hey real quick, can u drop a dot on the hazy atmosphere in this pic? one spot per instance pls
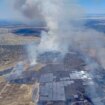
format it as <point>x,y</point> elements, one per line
<point>8,8</point>
<point>52,52</point>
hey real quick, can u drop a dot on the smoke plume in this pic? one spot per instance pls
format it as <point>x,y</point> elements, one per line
<point>29,8</point>
<point>32,53</point>
<point>63,18</point>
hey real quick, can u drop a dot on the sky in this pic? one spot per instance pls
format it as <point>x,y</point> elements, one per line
<point>8,12</point>
<point>93,6</point>
<point>90,6</point>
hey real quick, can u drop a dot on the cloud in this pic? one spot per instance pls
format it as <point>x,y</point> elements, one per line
<point>29,8</point>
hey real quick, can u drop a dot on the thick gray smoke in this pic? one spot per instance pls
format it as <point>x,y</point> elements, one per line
<point>29,8</point>
<point>62,18</point>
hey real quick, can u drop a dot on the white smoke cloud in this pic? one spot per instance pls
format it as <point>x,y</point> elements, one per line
<point>32,53</point>
<point>60,17</point>
<point>29,8</point>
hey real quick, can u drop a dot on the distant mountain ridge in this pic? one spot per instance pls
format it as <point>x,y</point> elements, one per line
<point>9,22</point>
<point>4,23</point>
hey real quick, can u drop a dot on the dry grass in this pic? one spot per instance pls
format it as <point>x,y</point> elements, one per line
<point>4,67</point>
<point>12,39</point>
<point>17,95</point>
<point>38,67</point>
